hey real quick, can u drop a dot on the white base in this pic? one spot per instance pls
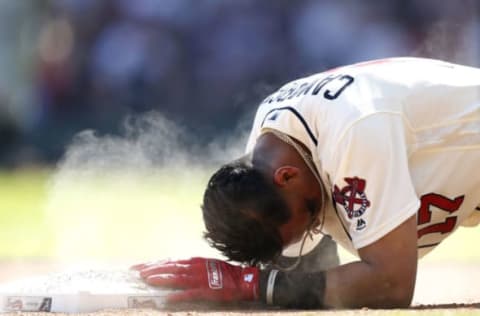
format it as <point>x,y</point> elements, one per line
<point>81,292</point>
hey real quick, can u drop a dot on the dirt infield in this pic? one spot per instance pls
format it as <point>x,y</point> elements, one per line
<point>442,289</point>
<point>439,310</point>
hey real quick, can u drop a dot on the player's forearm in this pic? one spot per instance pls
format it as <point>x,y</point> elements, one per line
<point>385,276</point>
<point>361,284</point>
<point>353,285</point>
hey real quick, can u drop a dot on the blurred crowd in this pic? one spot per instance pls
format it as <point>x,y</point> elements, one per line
<point>70,65</point>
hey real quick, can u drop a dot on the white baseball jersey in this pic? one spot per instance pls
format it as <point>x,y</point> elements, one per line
<point>390,138</point>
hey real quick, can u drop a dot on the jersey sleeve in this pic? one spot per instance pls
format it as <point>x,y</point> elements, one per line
<point>371,184</point>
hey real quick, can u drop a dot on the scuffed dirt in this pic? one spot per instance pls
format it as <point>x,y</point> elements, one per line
<point>442,288</point>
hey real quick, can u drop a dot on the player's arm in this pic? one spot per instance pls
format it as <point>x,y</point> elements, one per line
<point>375,149</point>
<point>383,278</point>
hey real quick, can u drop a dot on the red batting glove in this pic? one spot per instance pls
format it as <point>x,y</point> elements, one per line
<point>203,279</point>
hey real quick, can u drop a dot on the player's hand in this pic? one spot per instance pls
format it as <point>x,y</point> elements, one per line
<point>202,279</point>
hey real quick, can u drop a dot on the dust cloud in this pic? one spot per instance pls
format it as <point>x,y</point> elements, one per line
<point>136,196</point>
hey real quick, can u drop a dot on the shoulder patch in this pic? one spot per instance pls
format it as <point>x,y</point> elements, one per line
<point>352,197</point>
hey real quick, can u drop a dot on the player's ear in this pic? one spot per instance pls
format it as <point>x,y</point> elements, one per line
<point>283,175</point>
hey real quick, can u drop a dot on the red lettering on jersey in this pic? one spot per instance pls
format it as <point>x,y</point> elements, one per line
<point>443,203</point>
<point>441,228</point>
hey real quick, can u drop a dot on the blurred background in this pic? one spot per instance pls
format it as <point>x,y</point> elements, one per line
<point>160,92</point>
<point>69,65</point>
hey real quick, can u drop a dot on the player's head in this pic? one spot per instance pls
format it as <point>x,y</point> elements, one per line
<point>253,210</point>
<point>242,211</point>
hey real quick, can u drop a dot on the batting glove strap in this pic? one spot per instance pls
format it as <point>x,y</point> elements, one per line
<point>293,289</point>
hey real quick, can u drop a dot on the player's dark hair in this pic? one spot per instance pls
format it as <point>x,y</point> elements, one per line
<point>242,211</point>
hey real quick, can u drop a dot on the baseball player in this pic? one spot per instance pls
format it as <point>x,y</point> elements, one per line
<point>383,156</point>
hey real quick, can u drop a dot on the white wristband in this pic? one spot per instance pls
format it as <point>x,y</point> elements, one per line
<point>270,285</point>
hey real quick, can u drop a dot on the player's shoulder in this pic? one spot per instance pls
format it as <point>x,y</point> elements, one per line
<point>394,67</point>
<point>330,85</point>
<point>411,71</point>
